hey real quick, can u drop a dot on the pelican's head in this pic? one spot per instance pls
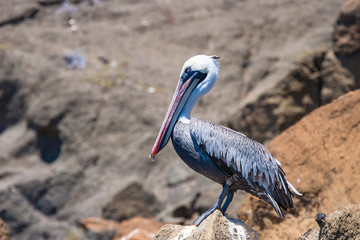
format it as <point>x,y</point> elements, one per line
<point>202,64</point>
<point>197,77</point>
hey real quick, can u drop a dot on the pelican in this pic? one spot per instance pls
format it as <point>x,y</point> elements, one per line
<point>219,153</point>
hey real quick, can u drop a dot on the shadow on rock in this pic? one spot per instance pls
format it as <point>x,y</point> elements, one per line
<point>48,142</point>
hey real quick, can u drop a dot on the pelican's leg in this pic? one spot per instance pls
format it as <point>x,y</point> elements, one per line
<point>218,203</point>
<point>228,201</point>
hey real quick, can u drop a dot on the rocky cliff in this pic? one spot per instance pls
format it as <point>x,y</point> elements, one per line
<point>316,78</point>
<point>321,157</point>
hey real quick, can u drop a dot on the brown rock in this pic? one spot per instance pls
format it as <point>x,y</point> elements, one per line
<point>99,225</point>
<point>346,36</point>
<point>314,80</point>
<point>321,158</point>
<point>136,228</point>
<point>4,235</point>
<point>340,225</point>
<point>216,226</point>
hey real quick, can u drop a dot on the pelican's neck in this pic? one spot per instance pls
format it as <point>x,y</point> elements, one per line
<point>200,90</point>
<point>184,116</point>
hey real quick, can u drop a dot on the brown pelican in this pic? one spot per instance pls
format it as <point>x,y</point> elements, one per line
<point>219,153</point>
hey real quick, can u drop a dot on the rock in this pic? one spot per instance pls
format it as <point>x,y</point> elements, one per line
<point>335,79</point>
<point>98,228</point>
<point>128,202</point>
<point>314,80</point>
<point>19,14</point>
<point>346,36</point>
<point>11,96</point>
<point>339,225</point>
<point>136,228</point>
<point>25,223</point>
<point>46,195</point>
<point>320,155</point>
<point>72,139</point>
<point>186,211</point>
<point>4,235</point>
<point>216,226</point>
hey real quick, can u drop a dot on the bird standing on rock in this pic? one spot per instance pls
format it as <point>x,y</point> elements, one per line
<point>219,153</point>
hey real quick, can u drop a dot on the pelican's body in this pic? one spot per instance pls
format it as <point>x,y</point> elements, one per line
<point>219,153</point>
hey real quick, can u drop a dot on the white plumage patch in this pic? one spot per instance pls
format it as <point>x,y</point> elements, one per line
<point>201,63</point>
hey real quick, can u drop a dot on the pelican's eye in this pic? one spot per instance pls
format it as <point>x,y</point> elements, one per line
<point>186,74</point>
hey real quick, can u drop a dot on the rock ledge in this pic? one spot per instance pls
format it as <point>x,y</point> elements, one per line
<point>216,226</point>
<point>340,225</point>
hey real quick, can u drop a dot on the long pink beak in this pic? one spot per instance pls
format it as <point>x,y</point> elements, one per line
<point>182,93</point>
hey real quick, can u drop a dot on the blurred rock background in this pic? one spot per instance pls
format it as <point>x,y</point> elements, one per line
<point>84,85</point>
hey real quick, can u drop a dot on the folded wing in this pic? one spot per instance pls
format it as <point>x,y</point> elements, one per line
<point>241,157</point>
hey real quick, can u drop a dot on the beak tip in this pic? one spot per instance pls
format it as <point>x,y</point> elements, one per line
<point>152,157</point>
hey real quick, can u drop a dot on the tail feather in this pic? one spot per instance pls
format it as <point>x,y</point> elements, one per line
<point>280,200</point>
<point>275,205</point>
<point>293,189</point>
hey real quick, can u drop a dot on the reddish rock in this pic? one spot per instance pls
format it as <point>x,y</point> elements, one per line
<point>99,225</point>
<point>4,235</point>
<point>321,157</point>
<point>136,228</point>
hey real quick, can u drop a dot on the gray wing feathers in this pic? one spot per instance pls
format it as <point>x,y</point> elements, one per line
<point>244,157</point>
